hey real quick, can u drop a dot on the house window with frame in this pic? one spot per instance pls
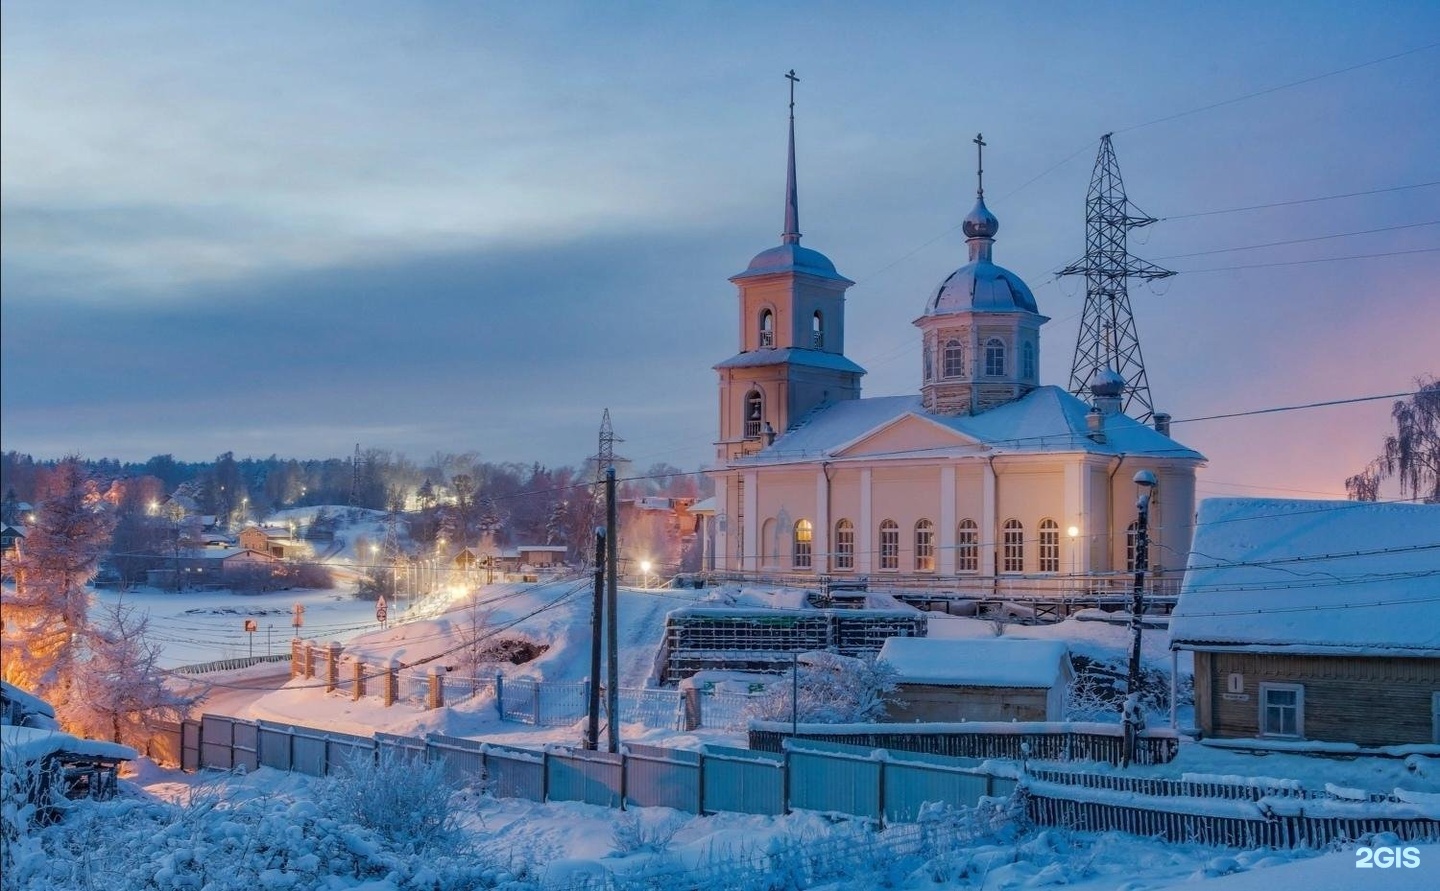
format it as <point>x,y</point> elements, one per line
<point>1282,710</point>
<point>817,331</point>
<point>890,545</point>
<point>801,556</point>
<point>1027,361</point>
<point>1132,545</point>
<point>954,359</point>
<point>754,414</point>
<point>924,546</point>
<point>767,328</point>
<point>844,545</point>
<point>995,357</point>
<point>1049,546</point>
<point>1013,541</point>
<point>967,544</point>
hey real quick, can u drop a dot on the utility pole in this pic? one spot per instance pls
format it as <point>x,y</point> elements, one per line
<point>597,613</point>
<point>1133,718</point>
<point>612,625</point>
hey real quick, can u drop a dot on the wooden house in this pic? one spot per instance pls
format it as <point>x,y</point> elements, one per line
<point>988,679</point>
<point>1314,621</point>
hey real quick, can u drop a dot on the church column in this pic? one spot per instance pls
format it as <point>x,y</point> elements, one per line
<point>720,554</point>
<point>947,519</point>
<point>1076,475</point>
<point>820,547</point>
<point>989,519</point>
<point>752,535</point>
<point>865,535</point>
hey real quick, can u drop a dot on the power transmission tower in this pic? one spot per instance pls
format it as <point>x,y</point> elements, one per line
<point>355,478</point>
<point>1107,329</point>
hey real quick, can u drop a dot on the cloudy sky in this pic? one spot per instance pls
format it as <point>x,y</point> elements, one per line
<point>287,228</point>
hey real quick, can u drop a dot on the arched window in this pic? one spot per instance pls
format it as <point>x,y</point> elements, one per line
<point>844,545</point>
<point>924,546</point>
<point>967,542</point>
<point>1027,361</point>
<point>769,547</point>
<point>817,331</point>
<point>954,358</point>
<point>754,414</point>
<point>1013,540</point>
<point>889,545</point>
<point>1049,546</point>
<point>1132,542</point>
<point>995,357</point>
<point>804,538</point>
<point>767,328</point>
<point>928,374</point>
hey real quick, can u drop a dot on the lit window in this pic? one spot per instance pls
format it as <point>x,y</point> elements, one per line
<point>1282,710</point>
<point>804,538</point>
<point>1027,361</point>
<point>844,545</point>
<point>817,331</point>
<point>1014,546</point>
<point>954,359</point>
<point>967,540</point>
<point>754,414</point>
<point>767,328</point>
<point>924,546</point>
<point>889,545</point>
<point>994,357</point>
<point>1049,546</point>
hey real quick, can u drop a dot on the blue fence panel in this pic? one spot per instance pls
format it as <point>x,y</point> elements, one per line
<point>275,744</point>
<point>834,781</point>
<point>307,752</point>
<point>656,777</point>
<point>217,742</point>
<point>580,775</point>
<point>463,758</point>
<point>743,781</point>
<point>514,773</point>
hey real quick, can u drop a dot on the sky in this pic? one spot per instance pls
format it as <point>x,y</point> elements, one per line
<point>290,228</point>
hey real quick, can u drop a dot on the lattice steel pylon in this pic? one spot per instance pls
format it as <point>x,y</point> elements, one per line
<point>1107,328</point>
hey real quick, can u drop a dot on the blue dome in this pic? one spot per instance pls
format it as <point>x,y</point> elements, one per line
<point>790,258</point>
<point>981,286</point>
<point>980,222</point>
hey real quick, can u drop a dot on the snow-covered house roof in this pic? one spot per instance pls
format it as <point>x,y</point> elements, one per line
<point>1312,577</point>
<point>24,744</point>
<point>998,662</point>
<point>24,708</point>
<point>1047,419</point>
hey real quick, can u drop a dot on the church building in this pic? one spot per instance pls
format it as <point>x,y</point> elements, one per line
<point>985,480</point>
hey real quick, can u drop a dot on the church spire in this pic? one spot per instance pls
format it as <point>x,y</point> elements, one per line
<point>791,235</point>
<point>980,225</point>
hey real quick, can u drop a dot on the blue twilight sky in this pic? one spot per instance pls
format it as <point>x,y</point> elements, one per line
<point>291,227</point>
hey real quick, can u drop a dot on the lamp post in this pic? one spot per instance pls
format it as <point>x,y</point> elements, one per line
<point>645,573</point>
<point>1145,481</point>
<point>1073,532</point>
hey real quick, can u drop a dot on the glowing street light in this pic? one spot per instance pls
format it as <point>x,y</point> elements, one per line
<point>1074,533</point>
<point>644,573</point>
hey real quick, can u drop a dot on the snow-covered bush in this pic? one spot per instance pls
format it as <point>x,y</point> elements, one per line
<point>402,799</point>
<point>632,833</point>
<point>833,690</point>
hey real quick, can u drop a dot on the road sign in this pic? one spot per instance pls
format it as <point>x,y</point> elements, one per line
<point>381,610</point>
<point>299,617</point>
<point>251,625</point>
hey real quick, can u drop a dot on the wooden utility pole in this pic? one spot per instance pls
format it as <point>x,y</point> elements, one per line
<point>612,626</point>
<point>597,612</point>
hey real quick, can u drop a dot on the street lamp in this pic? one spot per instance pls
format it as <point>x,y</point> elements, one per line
<point>1145,481</point>
<point>1073,532</point>
<point>644,573</point>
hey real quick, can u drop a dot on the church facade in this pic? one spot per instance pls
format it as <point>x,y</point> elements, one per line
<point>985,479</point>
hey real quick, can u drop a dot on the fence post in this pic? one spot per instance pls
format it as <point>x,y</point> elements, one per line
<point>297,658</point>
<point>693,716</point>
<point>309,658</point>
<point>389,693</point>
<point>359,690</point>
<point>332,666</point>
<point>435,696</point>
<point>500,695</point>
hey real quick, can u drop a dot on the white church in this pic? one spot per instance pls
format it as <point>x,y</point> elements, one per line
<point>985,480</point>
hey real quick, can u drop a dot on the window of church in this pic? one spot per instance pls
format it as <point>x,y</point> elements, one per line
<point>926,354</point>
<point>995,357</point>
<point>889,545</point>
<point>769,547</point>
<point>754,414</point>
<point>1027,361</point>
<point>767,328</point>
<point>924,546</point>
<point>804,539</point>
<point>1132,542</point>
<point>1049,546</point>
<point>1013,540</point>
<point>844,545</point>
<point>954,359</point>
<point>967,541</point>
<point>817,331</point>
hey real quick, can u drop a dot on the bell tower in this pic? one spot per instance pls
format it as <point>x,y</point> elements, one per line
<point>792,336</point>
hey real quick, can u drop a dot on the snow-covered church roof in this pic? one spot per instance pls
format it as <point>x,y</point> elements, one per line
<point>1047,419</point>
<point>1312,577</point>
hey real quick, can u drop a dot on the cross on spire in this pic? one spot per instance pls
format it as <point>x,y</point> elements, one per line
<point>791,235</point>
<point>979,141</point>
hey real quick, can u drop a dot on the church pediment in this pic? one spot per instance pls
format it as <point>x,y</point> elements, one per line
<point>907,433</point>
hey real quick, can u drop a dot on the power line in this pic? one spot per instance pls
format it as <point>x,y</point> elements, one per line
<point>1285,408</point>
<point>1295,201</point>
<point>1270,244</point>
<point>1304,262</point>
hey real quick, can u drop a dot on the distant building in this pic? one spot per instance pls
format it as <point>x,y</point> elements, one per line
<point>1314,620</point>
<point>211,568</point>
<point>277,541</point>
<point>10,538</point>
<point>655,529</point>
<point>985,679</point>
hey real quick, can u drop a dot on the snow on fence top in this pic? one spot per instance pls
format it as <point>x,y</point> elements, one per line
<point>1314,577</point>
<point>1002,662</point>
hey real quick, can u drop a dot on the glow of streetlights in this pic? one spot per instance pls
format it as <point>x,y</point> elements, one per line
<point>644,573</point>
<point>1073,531</point>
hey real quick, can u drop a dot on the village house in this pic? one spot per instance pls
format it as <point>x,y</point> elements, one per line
<point>1314,621</point>
<point>277,541</point>
<point>983,679</point>
<point>211,568</point>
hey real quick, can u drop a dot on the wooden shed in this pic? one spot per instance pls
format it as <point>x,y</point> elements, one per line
<point>989,679</point>
<point>1314,622</point>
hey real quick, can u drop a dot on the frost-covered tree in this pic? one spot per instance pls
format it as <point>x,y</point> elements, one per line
<point>46,615</point>
<point>833,690</point>
<point>1411,454</point>
<point>119,687</point>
